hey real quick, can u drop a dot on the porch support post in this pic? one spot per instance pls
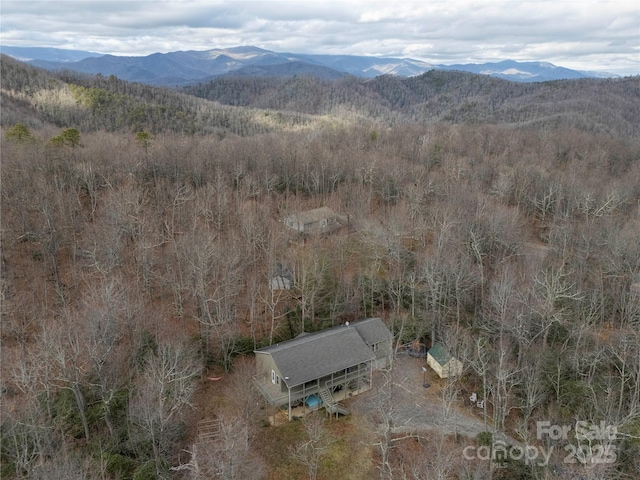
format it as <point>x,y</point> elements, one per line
<point>370,375</point>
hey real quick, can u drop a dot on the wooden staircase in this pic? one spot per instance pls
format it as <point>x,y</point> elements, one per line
<point>208,430</point>
<point>330,404</point>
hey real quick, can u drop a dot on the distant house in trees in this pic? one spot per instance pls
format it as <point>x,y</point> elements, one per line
<point>321,368</point>
<point>281,279</point>
<point>442,362</point>
<point>315,222</point>
<point>279,282</point>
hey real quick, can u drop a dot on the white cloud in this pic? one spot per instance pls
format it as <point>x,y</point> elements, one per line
<point>587,34</point>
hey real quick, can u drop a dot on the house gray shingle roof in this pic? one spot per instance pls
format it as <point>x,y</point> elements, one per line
<point>372,330</point>
<point>314,355</point>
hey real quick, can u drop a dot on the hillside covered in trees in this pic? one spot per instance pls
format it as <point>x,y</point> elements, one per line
<point>141,228</point>
<point>596,106</point>
<point>592,105</point>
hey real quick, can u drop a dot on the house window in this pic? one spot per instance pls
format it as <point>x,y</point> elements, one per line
<point>275,379</point>
<point>375,347</point>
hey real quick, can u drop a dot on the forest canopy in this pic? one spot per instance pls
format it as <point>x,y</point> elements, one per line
<point>138,252</point>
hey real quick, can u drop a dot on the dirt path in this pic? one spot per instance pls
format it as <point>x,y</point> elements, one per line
<point>419,409</point>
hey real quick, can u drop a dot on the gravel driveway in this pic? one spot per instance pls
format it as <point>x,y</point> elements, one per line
<point>416,408</point>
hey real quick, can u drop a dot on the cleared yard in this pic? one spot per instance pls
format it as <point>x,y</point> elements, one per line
<point>418,409</point>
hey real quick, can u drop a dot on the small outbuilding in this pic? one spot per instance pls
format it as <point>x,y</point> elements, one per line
<point>279,282</point>
<point>281,278</point>
<point>442,362</point>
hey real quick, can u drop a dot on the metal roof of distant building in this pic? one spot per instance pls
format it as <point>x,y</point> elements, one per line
<point>312,216</point>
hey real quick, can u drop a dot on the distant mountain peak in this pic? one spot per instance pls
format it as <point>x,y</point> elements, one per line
<point>521,71</point>
<point>26,54</point>
<point>189,67</point>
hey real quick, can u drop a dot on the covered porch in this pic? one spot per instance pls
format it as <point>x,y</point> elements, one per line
<point>339,385</point>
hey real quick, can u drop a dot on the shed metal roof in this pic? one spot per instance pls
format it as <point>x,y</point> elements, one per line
<point>440,354</point>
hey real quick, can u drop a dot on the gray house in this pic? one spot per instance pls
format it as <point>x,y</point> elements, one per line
<point>324,367</point>
<point>315,222</point>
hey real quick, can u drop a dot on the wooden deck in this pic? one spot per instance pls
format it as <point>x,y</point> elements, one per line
<point>281,416</point>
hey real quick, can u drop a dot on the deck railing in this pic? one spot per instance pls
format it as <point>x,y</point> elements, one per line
<point>275,396</point>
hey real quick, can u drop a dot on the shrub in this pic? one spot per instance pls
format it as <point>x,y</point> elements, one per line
<point>146,471</point>
<point>485,438</point>
<point>119,466</point>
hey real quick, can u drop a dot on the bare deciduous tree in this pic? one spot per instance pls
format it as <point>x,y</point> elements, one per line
<point>105,308</point>
<point>164,389</point>
<point>71,363</point>
<point>309,269</point>
<point>226,455</point>
<point>549,300</point>
<point>315,446</point>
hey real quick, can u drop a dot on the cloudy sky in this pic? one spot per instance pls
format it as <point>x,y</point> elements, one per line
<point>581,34</point>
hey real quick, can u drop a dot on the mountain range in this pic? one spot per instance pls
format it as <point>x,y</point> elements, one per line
<point>183,68</point>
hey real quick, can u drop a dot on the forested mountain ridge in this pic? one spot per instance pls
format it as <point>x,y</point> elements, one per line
<point>604,106</point>
<point>596,105</point>
<point>188,67</point>
<point>36,98</point>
